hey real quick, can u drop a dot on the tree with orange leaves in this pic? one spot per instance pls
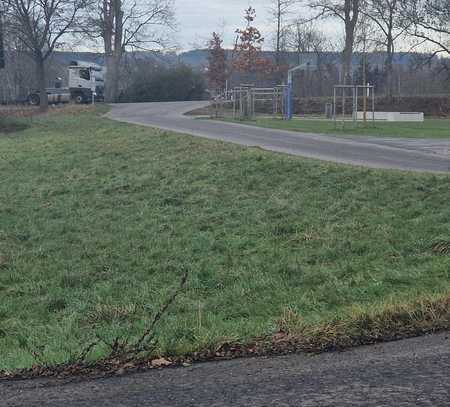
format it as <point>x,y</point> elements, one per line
<point>247,50</point>
<point>217,64</point>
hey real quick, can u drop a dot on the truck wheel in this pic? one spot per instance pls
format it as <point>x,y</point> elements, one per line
<point>34,99</point>
<point>79,99</point>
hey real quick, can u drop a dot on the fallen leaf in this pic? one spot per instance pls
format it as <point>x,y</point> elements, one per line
<point>280,337</point>
<point>160,362</point>
<point>129,365</point>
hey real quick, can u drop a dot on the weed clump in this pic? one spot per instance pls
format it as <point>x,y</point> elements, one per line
<point>362,327</point>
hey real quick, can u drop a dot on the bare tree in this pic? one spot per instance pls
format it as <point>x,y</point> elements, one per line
<point>387,17</point>
<point>310,45</point>
<point>429,22</point>
<point>348,12</point>
<point>128,24</point>
<point>303,38</point>
<point>18,77</point>
<point>40,25</point>
<point>279,11</point>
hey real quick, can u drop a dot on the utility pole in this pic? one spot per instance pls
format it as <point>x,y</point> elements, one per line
<point>364,89</point>
<point>364,71</point>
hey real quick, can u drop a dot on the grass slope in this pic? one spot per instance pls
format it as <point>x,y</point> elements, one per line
<point>98,221</point>
<point>430,128</point>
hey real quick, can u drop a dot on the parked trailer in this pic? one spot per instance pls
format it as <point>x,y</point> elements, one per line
<point>55,96</point>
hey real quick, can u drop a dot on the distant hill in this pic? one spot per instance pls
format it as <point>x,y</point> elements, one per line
<point>198,59</point>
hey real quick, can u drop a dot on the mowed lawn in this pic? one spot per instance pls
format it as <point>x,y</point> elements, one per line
<point>430,128</point>
<point>99,220</point>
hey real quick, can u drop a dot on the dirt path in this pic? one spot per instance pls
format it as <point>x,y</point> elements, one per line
<point>403,154</point>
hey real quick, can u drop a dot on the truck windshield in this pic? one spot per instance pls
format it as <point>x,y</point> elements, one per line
<point>85,74</point>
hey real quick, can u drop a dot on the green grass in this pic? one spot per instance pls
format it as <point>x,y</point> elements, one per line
<point>430,128</point>
<point>98,221</point>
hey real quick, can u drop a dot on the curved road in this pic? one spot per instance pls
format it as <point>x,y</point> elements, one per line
<point>403,154</point>
<point>413,372</point>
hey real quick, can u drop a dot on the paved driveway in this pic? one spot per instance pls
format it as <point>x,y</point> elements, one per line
<point>403,154</point>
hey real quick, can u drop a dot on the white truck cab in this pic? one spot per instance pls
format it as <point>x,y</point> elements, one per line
<point>86,81</point>
<point>85,84</point>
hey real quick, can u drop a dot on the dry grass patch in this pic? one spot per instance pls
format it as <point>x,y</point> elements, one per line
<point>441,247</point>
<point>362,327</point>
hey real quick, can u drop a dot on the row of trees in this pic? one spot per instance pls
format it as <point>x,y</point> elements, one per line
<point>384,22</point>
<point>39,27</point>
<point>367,25</point>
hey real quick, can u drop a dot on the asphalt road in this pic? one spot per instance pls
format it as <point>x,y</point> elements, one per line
<point>403,154</point>
<point>413,372</point>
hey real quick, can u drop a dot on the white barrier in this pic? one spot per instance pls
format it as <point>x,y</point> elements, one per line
<point>393,116</point>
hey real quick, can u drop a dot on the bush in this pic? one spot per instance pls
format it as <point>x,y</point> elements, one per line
<point>178,83</point>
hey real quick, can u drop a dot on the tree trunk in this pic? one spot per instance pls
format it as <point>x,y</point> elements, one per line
<point>42,83</point>
<point>113,48</point>
<point>111,79</point>
<point>2,52</point>
<point>391,22</point>
<point>112,38</point>
<point>278,45</point>
<point>347,57</point>
<point>390,68</point>
<point>351,15</point>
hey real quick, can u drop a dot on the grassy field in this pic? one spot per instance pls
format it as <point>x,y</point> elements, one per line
<point>430,128</point>
<point>98,221</point>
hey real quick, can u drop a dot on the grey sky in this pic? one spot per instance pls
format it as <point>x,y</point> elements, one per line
<point>197,19</point>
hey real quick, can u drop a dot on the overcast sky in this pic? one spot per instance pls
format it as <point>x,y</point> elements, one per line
<point>197,19</point>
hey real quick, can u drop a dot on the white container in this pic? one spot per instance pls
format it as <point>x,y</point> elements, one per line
<point>393,116</point>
